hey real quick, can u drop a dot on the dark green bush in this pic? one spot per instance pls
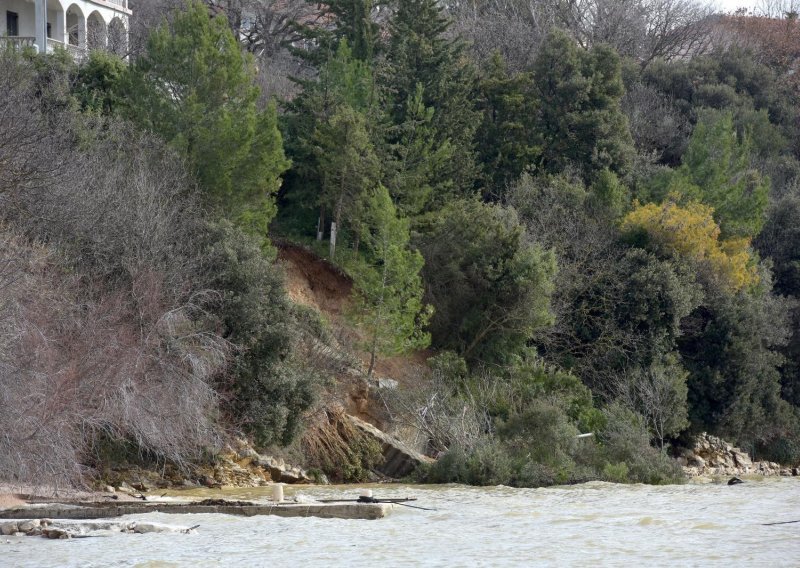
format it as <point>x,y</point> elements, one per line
<point>268,390</point>
<point>487,464</point>
<point>625,440</point>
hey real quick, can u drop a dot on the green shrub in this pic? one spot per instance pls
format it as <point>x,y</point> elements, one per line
<point>626,440</point>
<point>268,388</point>
<point>487,464</point>
<point>616,472</point>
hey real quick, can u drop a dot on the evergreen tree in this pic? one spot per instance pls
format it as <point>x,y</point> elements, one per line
<point>506,141</point>
<point>344,86</point>
<point>389,288</point>
<point>579,121</point>
<point>489,284</point>
<point>718,162</point>
<point>420,52</point>
<point>717,170</point>
<point>194,87</point>
<point>732,352</point>
<point>348,167</point>
<point>346,20</point>
<point>414,159</point>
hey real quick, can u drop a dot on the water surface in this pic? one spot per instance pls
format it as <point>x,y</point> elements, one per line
<point>583,525</point>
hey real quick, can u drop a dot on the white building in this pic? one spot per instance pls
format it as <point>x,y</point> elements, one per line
<point>75,25</point>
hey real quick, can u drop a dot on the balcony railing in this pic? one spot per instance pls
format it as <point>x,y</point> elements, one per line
<point>78,53</point>
<point>17,42</point>
<point>21,42</point>
<point>120,3</point>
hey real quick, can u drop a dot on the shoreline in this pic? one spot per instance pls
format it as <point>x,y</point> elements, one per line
<point>21,496</point>
<point>16,495</point>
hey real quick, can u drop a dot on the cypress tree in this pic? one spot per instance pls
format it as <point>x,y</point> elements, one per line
<point>506,139</point>
<point>580,122</point>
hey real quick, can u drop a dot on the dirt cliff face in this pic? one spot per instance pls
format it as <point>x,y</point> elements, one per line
<point>315,283</point>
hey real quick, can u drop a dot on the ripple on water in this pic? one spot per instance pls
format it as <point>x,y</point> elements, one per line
<point>594,523</point>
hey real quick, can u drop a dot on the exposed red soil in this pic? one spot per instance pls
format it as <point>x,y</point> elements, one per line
<point>315,282</point>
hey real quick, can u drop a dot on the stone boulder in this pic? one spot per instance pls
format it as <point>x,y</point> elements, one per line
<point>714,456</point>
<point>398,460</point>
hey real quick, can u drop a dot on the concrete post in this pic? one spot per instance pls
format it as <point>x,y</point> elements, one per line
<point>60,31</point>
<point>41,25</point>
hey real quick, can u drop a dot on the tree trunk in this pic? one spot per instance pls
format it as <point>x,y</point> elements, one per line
<point>378,310</point>
<point>335,225</point>
<point>333,239</point>
<point>321,223</point>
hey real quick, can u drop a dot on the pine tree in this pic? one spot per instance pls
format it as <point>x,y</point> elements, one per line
<point>419,52</point>
<point>389,288</point>
<point>718,162</point>
<point>716,170</point>
<point>195,88</point>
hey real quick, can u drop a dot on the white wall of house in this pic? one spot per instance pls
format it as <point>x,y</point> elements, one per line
<point>26,16</point>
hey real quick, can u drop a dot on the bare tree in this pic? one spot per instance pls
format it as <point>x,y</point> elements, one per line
<point>514,28</point>
<point>642,29</point>
<point>659,130</point>
<point>147,15</point>
<point>104,331</point>
<point>658,393</point>
<point>266,27</point>
<point>778,8</point>
<point>27,139</point>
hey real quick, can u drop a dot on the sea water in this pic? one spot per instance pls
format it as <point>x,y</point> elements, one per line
<point>593,524</point>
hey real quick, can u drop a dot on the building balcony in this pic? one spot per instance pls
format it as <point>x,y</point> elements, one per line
<point>75,25</point>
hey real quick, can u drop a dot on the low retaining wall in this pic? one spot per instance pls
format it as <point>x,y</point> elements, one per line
<point>366,511</point>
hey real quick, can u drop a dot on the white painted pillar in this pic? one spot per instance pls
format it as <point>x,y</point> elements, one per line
<point>81,19</point>
<point>41,25</point>
<point>60,26</point>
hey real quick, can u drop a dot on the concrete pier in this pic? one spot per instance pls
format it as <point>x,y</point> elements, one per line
<point>366,511</point>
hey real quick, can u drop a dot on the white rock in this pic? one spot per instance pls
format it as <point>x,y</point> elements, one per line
<point>28,526</point>
<point>144,528</point>
<point>7,529</point>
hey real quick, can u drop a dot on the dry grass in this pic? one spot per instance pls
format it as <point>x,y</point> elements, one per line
<point>335,446</point>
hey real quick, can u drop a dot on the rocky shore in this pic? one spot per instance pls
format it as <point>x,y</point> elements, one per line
<point>60,529</point>
<point>712,456</point>
<point>239,465</point>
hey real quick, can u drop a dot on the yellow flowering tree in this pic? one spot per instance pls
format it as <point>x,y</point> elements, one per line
<point>689,231</point>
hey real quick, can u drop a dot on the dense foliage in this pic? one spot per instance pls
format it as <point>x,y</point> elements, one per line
<point>595,233</point>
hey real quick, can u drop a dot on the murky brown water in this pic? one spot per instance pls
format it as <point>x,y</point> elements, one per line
<point>585,525</point>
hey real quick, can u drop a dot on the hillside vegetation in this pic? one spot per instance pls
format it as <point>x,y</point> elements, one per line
<point>568,227</point>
